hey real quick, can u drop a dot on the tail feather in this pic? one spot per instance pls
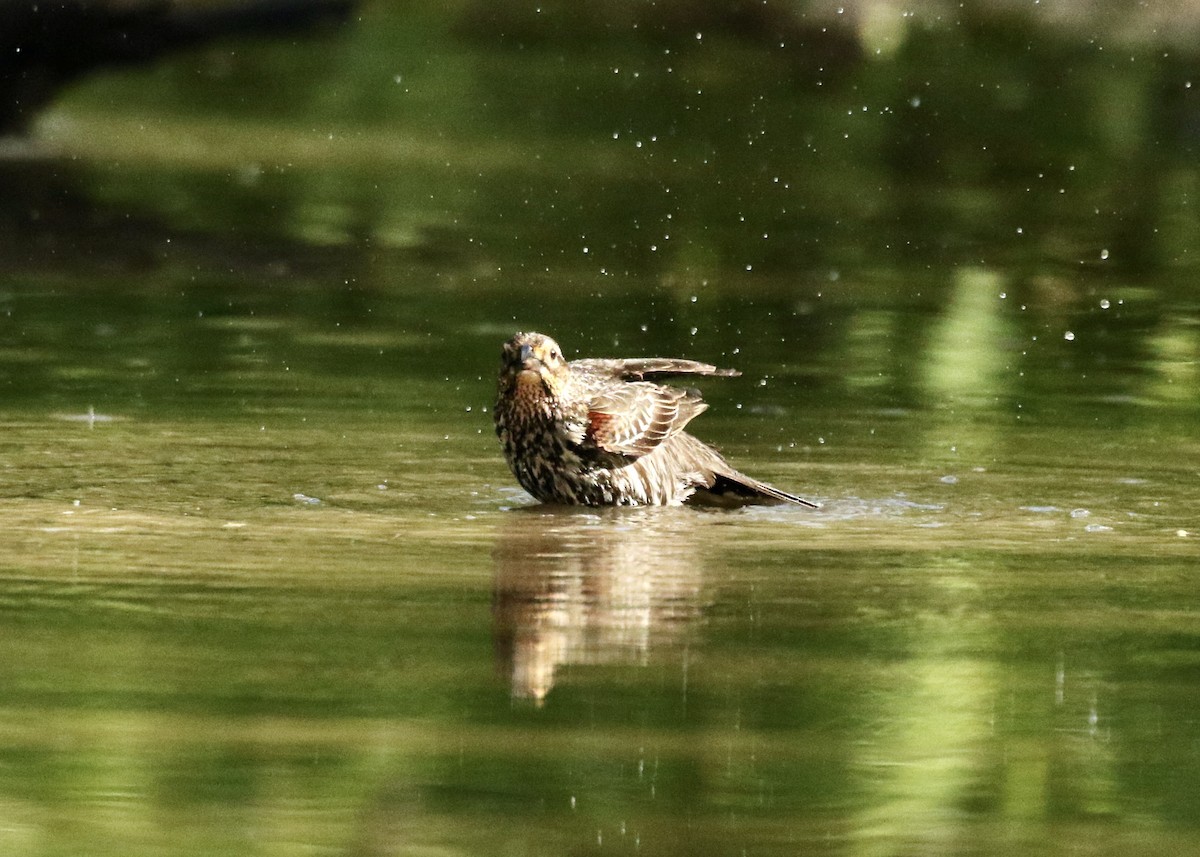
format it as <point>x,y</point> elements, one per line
<point>716,482</point>
<point>736,488</point>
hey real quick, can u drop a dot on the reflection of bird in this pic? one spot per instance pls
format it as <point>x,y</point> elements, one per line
<point>44,46</point>
<point>592,432</point>
<point>575,589</point>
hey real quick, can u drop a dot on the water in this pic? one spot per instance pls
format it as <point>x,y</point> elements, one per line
<point>268,587</point>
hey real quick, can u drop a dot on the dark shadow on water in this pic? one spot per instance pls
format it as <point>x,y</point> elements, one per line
<point>585,587</point>
<point>52,224</point>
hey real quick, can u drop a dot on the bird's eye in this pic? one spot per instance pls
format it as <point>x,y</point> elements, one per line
<point>553,354</point>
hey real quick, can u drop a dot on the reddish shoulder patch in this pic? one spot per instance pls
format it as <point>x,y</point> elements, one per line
<point>598,424</point>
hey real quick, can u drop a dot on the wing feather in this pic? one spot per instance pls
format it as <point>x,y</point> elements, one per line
<point>638,368</point>
<point>633,419</point>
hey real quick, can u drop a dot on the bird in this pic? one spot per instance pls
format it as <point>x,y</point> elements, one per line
<point>595,432</point>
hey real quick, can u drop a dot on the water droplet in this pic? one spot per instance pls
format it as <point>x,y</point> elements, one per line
<point>1103,255</point>
<point>1069,336</point>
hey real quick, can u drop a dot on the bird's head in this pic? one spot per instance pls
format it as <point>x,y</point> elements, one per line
<point>532,358</point>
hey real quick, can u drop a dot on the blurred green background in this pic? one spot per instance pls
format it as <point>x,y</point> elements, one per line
<point>268,587</point>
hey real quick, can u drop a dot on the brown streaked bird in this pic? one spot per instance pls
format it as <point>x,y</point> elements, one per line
<point>595,433</point>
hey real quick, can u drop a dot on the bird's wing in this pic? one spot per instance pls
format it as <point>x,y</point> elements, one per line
<point>633,419</point>
<point>638,368</point>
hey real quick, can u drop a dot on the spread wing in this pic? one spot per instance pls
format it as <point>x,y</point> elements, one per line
<point>632,419</point>
<point>639,368</point>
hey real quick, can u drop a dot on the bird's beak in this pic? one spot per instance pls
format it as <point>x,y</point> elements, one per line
<point>517,359</point>
<point>527,361</point>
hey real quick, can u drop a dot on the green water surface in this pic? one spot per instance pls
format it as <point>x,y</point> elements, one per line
<point>267,587</point>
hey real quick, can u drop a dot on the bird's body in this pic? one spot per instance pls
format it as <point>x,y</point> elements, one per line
<point>595,433</point>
